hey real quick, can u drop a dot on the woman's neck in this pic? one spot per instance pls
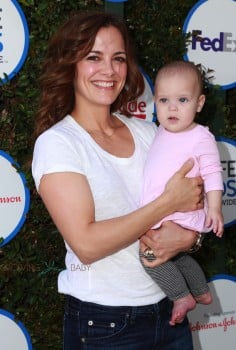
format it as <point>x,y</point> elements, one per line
<point>97,120</point>
<point>107,130</point>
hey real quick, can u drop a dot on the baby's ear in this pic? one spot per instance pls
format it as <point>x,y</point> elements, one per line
<point>201,101</point>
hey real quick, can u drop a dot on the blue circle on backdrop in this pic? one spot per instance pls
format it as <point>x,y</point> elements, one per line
<point>213,325</point>
<point>222,276</point>
<point>232,217</point>
<point>25,209</point>
<point>18,327</point>
<point>22,59</point>
<point>188,56</point>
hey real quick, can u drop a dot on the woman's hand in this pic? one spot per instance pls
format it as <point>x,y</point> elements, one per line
<point>186,193</point>
<point>166,242</point>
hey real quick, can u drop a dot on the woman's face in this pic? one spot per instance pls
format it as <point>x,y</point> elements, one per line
<point>101,75</point>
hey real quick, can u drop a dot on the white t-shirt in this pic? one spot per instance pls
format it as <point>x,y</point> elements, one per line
<point>116,184</point>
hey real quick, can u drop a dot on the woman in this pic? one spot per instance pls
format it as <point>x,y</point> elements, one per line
<point>87,165</point>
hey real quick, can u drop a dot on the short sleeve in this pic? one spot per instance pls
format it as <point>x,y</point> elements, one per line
<point>53,152</point>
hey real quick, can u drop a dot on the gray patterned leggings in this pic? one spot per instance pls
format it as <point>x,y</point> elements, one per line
<point>178,277</point>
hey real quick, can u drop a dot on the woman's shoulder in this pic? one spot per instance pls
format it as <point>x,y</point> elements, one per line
<point>63,129</point>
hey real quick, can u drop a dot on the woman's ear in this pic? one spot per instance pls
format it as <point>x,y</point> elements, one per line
<point>201,101</point>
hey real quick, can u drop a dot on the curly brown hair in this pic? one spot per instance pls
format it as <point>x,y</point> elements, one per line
<point>72,42</point>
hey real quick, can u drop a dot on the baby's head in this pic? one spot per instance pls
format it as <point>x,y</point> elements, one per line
<point>178,95</point>
<point>181,68</point>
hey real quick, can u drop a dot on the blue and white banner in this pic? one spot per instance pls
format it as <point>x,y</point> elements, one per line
<point>214,326</point>
<point>14,198</point>
<point>13,334</point>
<point>227,149</point>
<point>14,39</point>
<point>212,26</point>
<point>144,107</point>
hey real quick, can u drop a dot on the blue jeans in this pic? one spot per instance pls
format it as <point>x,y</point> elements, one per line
<point>89,326</point>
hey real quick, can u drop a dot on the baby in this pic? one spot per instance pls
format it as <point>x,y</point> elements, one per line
<point>178,98</point>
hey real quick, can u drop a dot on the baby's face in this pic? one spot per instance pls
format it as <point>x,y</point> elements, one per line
<point>177,100</point>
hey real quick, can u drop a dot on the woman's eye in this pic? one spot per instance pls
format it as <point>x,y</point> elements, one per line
<point>120,59</point>
<point>93,58</point>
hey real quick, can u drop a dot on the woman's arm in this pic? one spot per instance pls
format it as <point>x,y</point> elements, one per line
<point>68,198</point>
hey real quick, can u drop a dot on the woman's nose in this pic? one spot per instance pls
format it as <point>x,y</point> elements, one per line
<point>108,67</point>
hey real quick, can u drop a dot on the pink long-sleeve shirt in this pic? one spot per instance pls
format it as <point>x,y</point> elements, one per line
<point>168,153</point>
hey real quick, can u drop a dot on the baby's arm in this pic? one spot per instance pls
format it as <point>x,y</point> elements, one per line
<point>214,216</point>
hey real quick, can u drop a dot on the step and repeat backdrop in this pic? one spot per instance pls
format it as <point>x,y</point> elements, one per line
<point>214,326</point>
<point>213,45</point>
<point>14,194</point>
<point>213,42</point>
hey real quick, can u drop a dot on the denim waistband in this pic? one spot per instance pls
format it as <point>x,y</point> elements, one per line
<point>79,305</point>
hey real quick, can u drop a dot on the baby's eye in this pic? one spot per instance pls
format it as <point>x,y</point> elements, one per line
<point>163,100</point>
<point>183,99</point>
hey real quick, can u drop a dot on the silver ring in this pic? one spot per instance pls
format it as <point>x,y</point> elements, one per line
<point>148,253</point>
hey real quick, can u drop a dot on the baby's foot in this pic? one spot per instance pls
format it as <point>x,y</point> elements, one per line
<point>205,298</point>
<point>180,309</point>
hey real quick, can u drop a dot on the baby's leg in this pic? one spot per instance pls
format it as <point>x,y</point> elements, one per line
<point>181,307</point>
<point>195,278</point>
<point>169,278</point>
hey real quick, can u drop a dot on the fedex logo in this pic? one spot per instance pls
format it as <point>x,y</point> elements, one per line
<point>213,44</point>
<point>223,43</point>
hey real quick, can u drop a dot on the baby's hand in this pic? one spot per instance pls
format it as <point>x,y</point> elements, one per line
<point>215,219</point>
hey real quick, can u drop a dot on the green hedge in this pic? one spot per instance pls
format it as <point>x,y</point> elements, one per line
<point>29,264</point>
